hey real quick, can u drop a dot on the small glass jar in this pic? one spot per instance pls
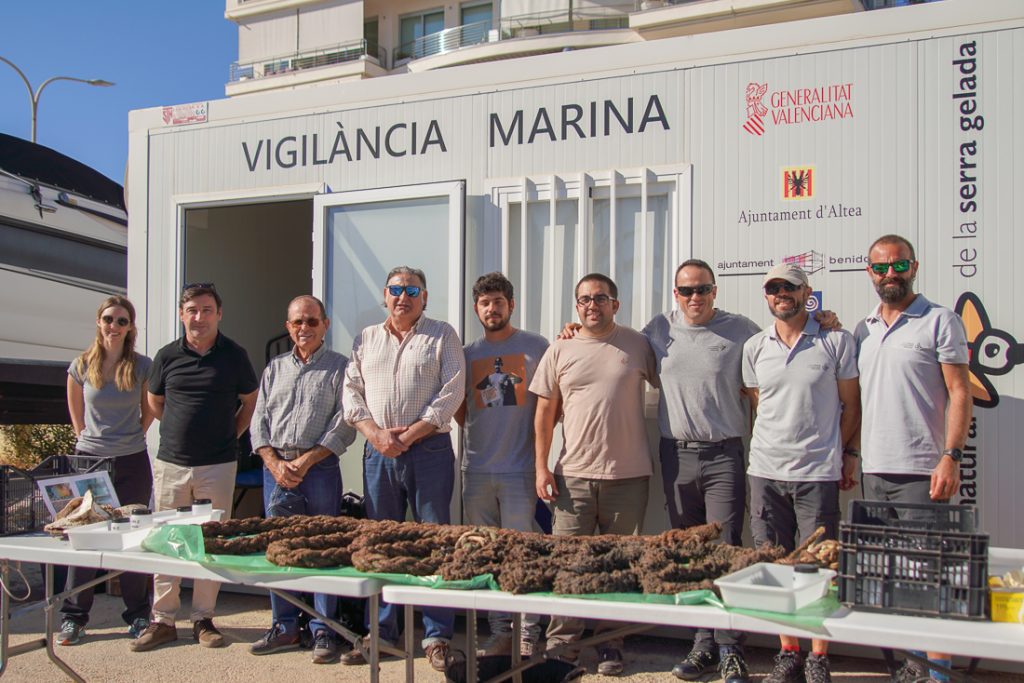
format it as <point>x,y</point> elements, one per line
<point>202,506</point>
<point>120,524</point>
<point>183,511</point>
<point>142,518</point>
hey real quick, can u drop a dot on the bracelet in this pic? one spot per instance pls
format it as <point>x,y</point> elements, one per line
<point>852,452</point>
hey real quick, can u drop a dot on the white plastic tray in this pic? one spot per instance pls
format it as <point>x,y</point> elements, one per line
<point>99,537</point>
<point>773,587</point>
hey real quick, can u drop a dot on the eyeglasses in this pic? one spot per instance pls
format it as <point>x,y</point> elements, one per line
<point>396,290</point>
<point>901,266</point>
<point>311,323</point>
<point>110,320</point>
<point>773,288</point>
<point>600,300</point>
<point>687,292</point>
<point>198,285</point>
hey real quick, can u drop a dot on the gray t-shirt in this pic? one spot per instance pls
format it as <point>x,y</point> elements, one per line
<point>499,408</point>
<point>701,377</point>
<point>112,417</point>
<point>796,434</point>
<point>903,393</point>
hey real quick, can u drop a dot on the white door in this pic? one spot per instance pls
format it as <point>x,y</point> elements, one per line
<point>359,236</point>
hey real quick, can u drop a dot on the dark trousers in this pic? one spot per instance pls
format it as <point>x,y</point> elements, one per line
<point>132,477</point>
<point>702,485</point>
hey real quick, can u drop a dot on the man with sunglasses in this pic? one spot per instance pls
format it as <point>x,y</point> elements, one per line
<point>202,388</point>
<point>600,481</point>
<point>802,382</point>
<point>497,467</point>
<point>916,399</point>
<point>299,431</point>
<point>703,418</point>
<point>403,385</point>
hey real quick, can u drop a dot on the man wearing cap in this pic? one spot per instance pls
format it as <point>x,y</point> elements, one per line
<point>802,381</point>
<point>403,385</point>
<point>202,388</point>
<point>916,402</point>
<point>299,431</point>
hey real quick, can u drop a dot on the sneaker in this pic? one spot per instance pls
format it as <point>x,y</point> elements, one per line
<point>528,648</point>
<point>325,648</point>
<point>207,634</point>
<point>499,643</point>
<point>910,672</point>
<point>138,627</point>
<point>609,661</point>
<point>275,640</point>
<point>70,633</point>
<point>155,635</point>
<point>355,658</point>
<point>699,662</point>
<point>789,668</point>
<point>732,667</point>
<point>816,669</point>
<point>437,653</point>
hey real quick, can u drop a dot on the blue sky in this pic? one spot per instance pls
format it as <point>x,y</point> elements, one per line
<point>178,55</point>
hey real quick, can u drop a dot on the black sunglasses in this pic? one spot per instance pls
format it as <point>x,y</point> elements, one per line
<point>901,266</point>
<point>773,288</point>
<point>121,321</point>
<point>311,323</point>
<point>411,290</point>
<point>703,290</point>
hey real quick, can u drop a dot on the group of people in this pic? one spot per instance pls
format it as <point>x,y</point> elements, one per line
<point>893,395</point>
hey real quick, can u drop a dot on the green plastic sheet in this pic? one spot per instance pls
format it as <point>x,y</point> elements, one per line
<point>185,542</point>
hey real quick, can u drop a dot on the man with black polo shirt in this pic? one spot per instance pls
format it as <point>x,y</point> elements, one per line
<point>195,386</point>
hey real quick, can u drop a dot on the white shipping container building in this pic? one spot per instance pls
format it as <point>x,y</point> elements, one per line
<point>799,140</point>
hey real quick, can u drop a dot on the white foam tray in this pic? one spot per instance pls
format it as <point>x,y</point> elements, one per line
<point>98,536</point>
<point>773,587</point>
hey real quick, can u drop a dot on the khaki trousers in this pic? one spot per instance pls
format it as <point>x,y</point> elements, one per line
<point>173,487</point>
<point>586,507</point>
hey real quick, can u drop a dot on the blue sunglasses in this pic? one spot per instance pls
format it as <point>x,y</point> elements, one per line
<point>396,290</point>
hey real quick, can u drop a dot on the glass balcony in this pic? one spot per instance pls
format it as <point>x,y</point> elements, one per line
<point>337,54</point>
<point>568,20</point>
<point>443,41</point>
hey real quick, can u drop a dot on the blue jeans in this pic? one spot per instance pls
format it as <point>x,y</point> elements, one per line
<point>321,488</point>
<point>422,479</point>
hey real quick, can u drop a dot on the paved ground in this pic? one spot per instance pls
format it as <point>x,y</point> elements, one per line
<point>104,656</point>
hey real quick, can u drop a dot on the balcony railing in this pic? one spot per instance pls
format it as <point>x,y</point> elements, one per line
<point>568,20</point>
<point>337,54</point>
<point>443,41</point>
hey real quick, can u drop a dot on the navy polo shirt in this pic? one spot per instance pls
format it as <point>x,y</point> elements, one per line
<point>200,400</point>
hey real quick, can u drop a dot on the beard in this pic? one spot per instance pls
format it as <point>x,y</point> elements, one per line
<point>893,289</point>
<point>789,313</point>
<point>496,325</point>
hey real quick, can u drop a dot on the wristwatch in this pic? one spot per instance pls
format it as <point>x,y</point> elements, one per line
<point>954,453</point>
<point>851,451</point>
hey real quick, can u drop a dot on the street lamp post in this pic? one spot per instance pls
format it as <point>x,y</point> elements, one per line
<point>33,95</point>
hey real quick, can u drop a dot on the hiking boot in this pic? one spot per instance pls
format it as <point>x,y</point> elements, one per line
<point>70,633</point>
<point>138,627</point>
<point>155,635</point>
<point>275,640</point>
<point>816,669</point>
<point>789,668</point>
<point>609,661</point>
<point>499,643</point>
<point>699,662</point>
<point>910,672</point>
<point>732,668</point>
<point>207,634</point>
<point>528,648</point>
<point>355,658</point>
<point>325,648</point>
<point>437,653</point>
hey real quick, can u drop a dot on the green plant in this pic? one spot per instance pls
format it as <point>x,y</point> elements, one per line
<point>26,445</point>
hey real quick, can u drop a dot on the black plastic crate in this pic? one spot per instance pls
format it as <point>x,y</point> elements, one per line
<point>21,504</point>
<point>916,559</point>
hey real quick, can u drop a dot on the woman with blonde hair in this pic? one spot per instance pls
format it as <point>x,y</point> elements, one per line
<point>110,415</point>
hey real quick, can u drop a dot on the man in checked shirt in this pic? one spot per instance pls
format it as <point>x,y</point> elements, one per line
<point>299,431</point>
<point>402,388</point>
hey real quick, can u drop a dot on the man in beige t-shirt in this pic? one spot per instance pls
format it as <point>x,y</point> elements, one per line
<point>599,484</point>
